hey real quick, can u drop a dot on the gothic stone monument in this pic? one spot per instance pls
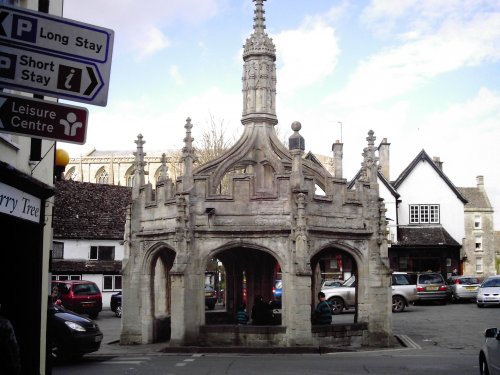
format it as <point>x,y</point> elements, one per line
<point>256,210</point>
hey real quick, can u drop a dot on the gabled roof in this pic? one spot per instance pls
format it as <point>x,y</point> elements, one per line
<point>424,236</point>
<point>476,198</point>
<point>90,211</point>
<point>381,177</point>
<point>423,156</point>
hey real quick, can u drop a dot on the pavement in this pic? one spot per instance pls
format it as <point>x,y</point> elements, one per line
<point>110,325</point>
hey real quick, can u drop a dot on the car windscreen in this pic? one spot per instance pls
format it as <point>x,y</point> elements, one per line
<point>82,289</point>
<point>491,283</point>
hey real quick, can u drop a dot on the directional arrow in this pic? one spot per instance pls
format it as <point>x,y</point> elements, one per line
<point>93,83</point>
<point>52,75</point>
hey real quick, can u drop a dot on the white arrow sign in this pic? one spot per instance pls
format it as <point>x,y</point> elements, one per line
<point>52,75</point>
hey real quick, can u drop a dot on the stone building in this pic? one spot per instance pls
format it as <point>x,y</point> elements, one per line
<point>478,251</point>
<point>256,210</point>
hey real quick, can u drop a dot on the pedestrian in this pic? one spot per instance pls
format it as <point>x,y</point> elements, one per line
<point>10,361</point>
<point>323,311</point>
<point>262,312</point>
<point>241,315</point>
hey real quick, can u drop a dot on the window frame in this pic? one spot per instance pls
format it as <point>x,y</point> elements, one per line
<point>113,279</point>
<point>424,213</point>
<point>95,252</point>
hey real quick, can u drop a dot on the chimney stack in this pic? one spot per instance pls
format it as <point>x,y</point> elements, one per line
<point>438,162</point>
<point>480,182</point>
<point>337,158</point>
<point>384,160</point>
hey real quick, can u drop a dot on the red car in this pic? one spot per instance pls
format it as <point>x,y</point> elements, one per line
<point>80,296</point>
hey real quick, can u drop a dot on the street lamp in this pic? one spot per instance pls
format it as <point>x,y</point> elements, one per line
<point>62,160</point>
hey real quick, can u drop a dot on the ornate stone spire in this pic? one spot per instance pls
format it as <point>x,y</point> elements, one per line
<point>139,172</point>
<point>259,72</point>
<point>188,157</point>
<point>370,161</point>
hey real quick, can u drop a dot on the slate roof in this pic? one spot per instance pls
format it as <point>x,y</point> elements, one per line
<point>84,210</point>
<point>476,197</point>
<point>86,266</point>
<point>425,236</point>
<point>381,177</point>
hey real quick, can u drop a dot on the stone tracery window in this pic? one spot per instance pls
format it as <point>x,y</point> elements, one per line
<point>102,176</point>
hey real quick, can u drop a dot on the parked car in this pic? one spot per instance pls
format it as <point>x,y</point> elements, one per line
<point>431,286</point>
<point>343,297</point>
<point>116,304</point>
<point>210,297</point>
<point>71,335</point>
<point>278,290</point>
<point>80,296</point>
<point>463,288</point>
<point>404,290</point>
<point>488,293</point>
<point>489,355</point>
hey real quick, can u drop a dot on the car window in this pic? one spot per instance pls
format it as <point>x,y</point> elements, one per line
<point>489,283</point>
<point>400,279</point>
<point>430,279</point>
<point>469,280</point>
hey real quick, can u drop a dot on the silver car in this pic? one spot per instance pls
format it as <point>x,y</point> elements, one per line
<point>489,355</point>
<point>488,293</point>
<point>463,288</point>
<point>343,297</point>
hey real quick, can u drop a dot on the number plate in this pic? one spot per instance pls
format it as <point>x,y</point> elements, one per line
<point>471,287</point>
<point>432,288</point>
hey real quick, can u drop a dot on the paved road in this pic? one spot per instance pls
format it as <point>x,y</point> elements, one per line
<point>440,340</point>
<point>430,326</point>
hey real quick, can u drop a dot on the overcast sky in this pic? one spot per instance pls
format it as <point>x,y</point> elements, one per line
<point>424,74</point>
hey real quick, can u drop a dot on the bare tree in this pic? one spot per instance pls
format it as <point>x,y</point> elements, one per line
<point>214,141</point>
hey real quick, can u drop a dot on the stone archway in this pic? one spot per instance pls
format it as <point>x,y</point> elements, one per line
<point>147,297</point>
<point>249,272</point>
<point>330,263</point>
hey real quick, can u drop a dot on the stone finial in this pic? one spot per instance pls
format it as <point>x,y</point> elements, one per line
<point>259,42</point>
<point>164,168</point>
<point>188,157</point>
<point>296,141</point>
<point>370,161</point>
<point>139,164</point>
<point>296,145</point>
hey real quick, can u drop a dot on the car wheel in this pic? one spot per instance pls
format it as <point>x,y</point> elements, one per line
<point>480,305</point>
<point>483,366</point>
<point>118,311</point>
<point>336,304</point>
<point>398,304</point>
<point>93,315</point>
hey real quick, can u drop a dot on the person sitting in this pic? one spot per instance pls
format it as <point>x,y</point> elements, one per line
<point>241,315</point>
<point>262,313</point>
<point>323,312</point>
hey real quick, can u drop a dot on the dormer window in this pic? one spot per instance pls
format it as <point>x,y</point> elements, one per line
<point>424,214</point>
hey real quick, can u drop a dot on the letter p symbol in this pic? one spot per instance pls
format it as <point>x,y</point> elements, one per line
<point>24,28</point>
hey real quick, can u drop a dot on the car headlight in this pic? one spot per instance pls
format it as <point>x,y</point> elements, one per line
<point>75,326</point>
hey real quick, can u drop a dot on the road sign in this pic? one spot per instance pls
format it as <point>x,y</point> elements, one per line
<point>55,56</point>
<point>51,75</point>
<point>42,119</point>
<point>55,34</point>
